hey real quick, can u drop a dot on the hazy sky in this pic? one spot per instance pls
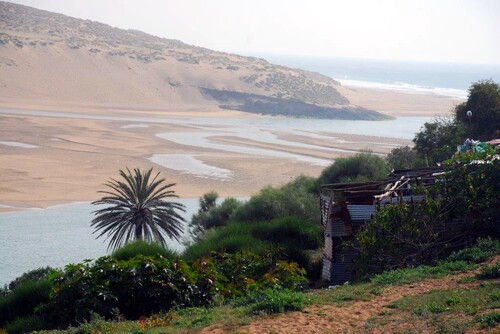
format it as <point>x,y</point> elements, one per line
<point>430,30</point>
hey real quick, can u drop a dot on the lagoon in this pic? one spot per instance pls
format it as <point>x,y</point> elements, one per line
<point>55,237</point>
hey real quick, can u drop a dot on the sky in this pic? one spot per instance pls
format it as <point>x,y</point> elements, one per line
<point>459,31</point>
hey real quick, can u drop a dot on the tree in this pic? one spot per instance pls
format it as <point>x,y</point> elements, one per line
<point>208,201</point>
<point>403,157</point>
<point>484,103</point>
<point>437,141</point>
<point>361,167</point>
<point>137,209</point>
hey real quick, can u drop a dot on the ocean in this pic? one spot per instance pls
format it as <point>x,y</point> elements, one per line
<point>447,79</point>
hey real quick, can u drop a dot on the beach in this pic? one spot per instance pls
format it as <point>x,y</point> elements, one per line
<point>78,147</point>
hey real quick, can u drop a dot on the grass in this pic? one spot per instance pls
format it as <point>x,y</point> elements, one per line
<point>23,299</point>
<point>343,294</point>
<point>411,275</point>
<point>440,311</point>
<point>140,247</point>
<point>272,301</point>
<point>449,311</point>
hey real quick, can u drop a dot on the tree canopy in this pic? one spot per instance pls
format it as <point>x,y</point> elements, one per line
<point>137,209</point>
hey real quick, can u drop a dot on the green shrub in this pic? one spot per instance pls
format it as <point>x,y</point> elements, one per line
<point>244,271</point>
<point>145,285</point>
<point>272,301</point>
<point>485,248</point>
<point>32,275</point>
<point>144,248</point>
<point>295,198</point>
<point>24,299</point>
<point>26,324</point>
<point>289,238</point>
<point>212,215</point>
<point>489,320</point>
<point>136,287</point>
<point>490,272</point>
<point>361,167</point>
<point>231,238</point>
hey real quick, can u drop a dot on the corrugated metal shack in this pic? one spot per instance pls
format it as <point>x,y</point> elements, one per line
<point>345,207</point>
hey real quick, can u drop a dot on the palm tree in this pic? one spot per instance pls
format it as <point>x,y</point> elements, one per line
<point>137,209</point>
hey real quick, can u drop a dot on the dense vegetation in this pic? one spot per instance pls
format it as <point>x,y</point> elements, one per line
<point>257,255</point>
<point>438,140</point>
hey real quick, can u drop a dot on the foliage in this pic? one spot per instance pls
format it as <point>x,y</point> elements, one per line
<point>485,249</point>
<point>238,273</point>
<point>292,199</point>
<point>410,275</point>
<point>404,157</point>
<point>23,300</point>
<point>288,238</point>
<point>140,286</point>
<point>26,324</point>
<point>358,168</point>
<point>213,216</point>
<point>465,199</point>
<point>271,301</point>
<point>472,185</point>
<point>438,140</point>
<point>484,103</point>
<point>32,275</point>
<point>489,320</point>
<point>401,234</point>
<point>208,201</point>
<point>137,209</point>
<point>440,306</point>
<point>140,247</point>
<point>458,261</point>
<point>490,272</point>
<point>146,285</point>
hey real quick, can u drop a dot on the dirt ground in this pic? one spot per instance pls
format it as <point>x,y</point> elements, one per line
<point>353,317</point>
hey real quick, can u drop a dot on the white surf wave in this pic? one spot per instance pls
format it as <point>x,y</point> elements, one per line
<point>405,87</point>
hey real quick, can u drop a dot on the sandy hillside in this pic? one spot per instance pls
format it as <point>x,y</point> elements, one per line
<point>47,57</point>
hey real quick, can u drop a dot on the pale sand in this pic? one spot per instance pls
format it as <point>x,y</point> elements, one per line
<point>397,103</point>
<point>75,157</point>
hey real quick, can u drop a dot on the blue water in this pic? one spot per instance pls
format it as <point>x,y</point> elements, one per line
<point>441,78</point>
<point>55,237</point>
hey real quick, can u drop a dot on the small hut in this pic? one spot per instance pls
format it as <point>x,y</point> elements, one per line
<point>345,207</point>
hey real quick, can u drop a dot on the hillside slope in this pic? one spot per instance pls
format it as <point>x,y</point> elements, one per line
<point>49,57</point>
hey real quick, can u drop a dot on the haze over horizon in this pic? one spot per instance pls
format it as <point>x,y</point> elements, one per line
<point>462,31</point>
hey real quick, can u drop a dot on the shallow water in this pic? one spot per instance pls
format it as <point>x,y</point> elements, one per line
<point>188,164</point>
<point>55,237</point>
<point>17,144</point>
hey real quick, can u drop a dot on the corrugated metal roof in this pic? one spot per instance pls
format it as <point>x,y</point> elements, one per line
<point>361,212</point>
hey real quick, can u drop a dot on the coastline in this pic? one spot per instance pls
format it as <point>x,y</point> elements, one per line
<point>74,159</point>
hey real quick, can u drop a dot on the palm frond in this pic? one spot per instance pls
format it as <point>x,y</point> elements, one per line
<point>137,207</point>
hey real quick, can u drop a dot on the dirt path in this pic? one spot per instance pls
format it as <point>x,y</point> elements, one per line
<point>349,318</point>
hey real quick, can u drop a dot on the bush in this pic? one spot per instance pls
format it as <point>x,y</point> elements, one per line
<point>465,199</point>
<point>288,238</point>
<point>212,215</point>
<point>272,301</point>
<point>358,168</point>
<point>144,248</point>
<point>485,248</point>
<point>26,324</point>
<point>146,285</point>
<point>24,299</point>
<point>241,272</point>
<point>32,275</point>
<point>489,320</point>
<point>140,286</point>
<point>295,198</point>
<point>404,158</point>
<point>490,272</point>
